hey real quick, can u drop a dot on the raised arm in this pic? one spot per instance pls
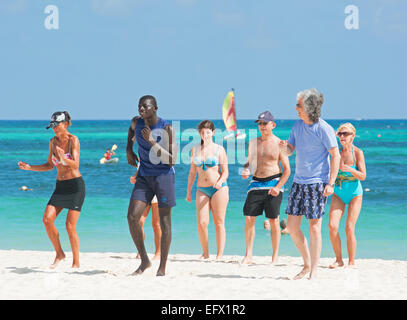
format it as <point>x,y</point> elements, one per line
<point>360,173</point>
<point>286,147</point>
<point>74,162</point>
<point>166,150</point>
<point>43,167</point>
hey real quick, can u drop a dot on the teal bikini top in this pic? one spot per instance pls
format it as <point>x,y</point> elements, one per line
<point>344,174</point>
<point>209,162</point>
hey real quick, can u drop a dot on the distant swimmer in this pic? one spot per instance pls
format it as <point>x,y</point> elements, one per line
<point>69,192</point>
<point>109,154</point>
<point>107,157</point>
<point>283,226</point>
<point>25,188</point>
<point>348,191</point>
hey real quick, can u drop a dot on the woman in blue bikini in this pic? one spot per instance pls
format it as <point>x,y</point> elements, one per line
<point>348,192</point>
<point>209,160</point>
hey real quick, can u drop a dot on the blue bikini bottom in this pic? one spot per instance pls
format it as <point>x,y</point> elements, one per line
<point>210,191</point>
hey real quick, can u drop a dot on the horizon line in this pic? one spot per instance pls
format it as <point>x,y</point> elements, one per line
<point>218,119</point>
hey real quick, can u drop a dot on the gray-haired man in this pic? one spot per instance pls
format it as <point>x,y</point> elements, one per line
<point>314,141</point>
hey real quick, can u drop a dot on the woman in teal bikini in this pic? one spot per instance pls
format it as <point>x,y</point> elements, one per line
<point>209,160</point>
<point>348,192</point>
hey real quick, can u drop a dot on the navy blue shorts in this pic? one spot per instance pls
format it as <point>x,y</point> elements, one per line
<point>307,200</point>
<point>162,186</point>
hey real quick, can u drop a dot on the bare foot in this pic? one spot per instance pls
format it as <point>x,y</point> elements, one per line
<point>247,260</point>
<point>138,256</point>
<point>157,256</point>
<point>274,261</point>
<point>302,274</point>
<point>76,265</point>
<point>204,257</point>
<point>352,265</point>
<point>141,268</point>
<point>160,273</point>
<point>57,260</point>
<point>336,264</point>
<point>219,258</point>
<point>312,275</point>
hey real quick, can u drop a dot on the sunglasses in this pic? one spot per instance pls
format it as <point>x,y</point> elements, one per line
<point>340,134</point>
<point>262,123</point>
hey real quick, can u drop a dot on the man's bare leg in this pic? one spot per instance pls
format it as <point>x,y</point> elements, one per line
<point>165,223</point>
<point>315,245</point>
<point>275,238</point>
<point>135,210</point>
<point>250,232</point>
<point>294,228</point>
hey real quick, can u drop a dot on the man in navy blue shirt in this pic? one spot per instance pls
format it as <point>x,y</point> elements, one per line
<point>155,176</point>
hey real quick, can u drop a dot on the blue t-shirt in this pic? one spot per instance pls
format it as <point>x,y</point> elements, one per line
<point>150,164</point>
<point>312,144</point>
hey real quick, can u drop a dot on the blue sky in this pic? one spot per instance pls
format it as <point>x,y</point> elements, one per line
<point>189,53</point>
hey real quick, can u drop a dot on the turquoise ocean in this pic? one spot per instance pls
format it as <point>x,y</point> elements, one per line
<point>381,229</point>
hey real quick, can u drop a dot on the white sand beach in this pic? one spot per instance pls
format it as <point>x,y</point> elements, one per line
<point>26,275</point>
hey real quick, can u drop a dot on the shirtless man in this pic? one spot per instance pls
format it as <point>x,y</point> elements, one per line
<point>265,191</point>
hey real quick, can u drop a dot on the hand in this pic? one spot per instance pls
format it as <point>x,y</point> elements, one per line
<point>284,146</point>
<point>345,168</point>
<point>133,179</point>
<point>60,152</point>
<point>189,197</point>
<point>275,191</point>
<point>245,173</point>
<point>329,190</point>
<point>24,166</point>
<point>218,184</point>
<point>147,135</point>
<point>132,158</point>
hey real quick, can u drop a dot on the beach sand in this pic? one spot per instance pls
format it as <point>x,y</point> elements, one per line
<point>26,275</point>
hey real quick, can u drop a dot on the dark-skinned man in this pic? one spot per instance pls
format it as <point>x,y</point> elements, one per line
<point>157,150</point>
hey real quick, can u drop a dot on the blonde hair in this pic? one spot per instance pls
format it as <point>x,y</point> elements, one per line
<point>348,126</point>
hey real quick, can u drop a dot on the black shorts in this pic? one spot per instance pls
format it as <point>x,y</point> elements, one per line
<point>258,201</point>
<point>69,194</point>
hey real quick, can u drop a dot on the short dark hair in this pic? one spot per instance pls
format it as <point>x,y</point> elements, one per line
<point>148,97</point>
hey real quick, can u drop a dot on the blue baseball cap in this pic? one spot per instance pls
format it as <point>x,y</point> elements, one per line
<point>265,116</point>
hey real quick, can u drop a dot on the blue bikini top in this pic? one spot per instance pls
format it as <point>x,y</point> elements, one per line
<point>209,162</point>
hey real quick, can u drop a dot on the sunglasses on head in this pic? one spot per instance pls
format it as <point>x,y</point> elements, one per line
<point>340,134</point>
